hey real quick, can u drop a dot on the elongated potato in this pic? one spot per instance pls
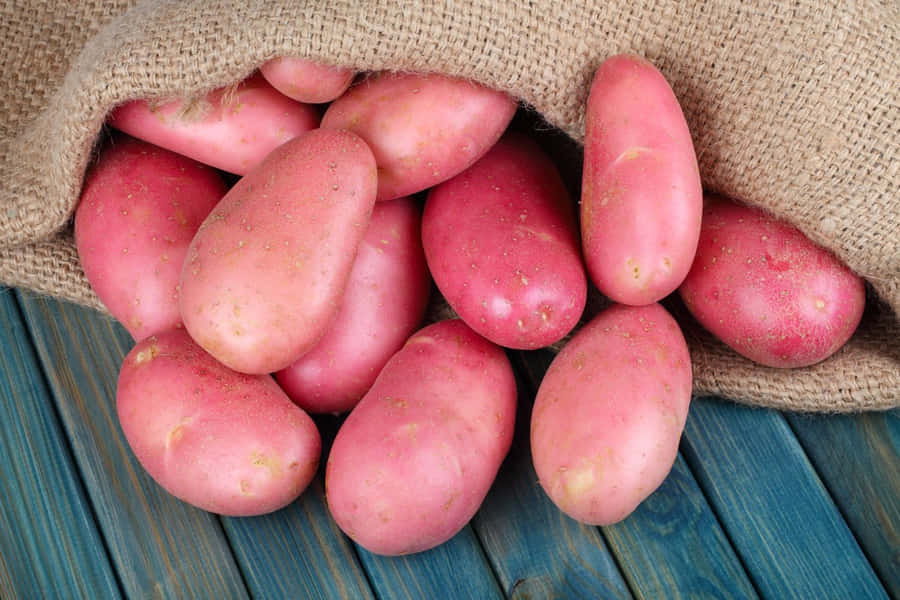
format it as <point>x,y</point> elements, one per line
<point>231,129</point>
<point>266,271</point>
<point>769,292</point>
<point>414,460</point>
<point>139,209</point>
<point>383,304</point>
<point>641,198</point>
<point>306,80</point>
<point>610,411</point>
<point>423,129</point>
<point>502,244</point>
<point>225,442</point>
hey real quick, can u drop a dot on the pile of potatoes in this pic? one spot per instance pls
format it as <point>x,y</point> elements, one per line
<point>302,288</point>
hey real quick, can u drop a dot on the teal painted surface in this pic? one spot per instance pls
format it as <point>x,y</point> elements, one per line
<point>781,520</point>
<point>49,543</point>
<point>535,550</point>
<point>160,546</point>
<point>456,569</point>
<point>858,459</point>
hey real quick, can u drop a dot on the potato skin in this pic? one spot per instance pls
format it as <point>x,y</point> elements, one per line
<point>414,460</point>
<point>229,129</point>
<point>767,291</point>
<point>266,271</point>
<point>610,411</point>
<point>306,80</point>
<point>140,207</point>
<point>641,196</point>
<point>225,442</point>
<point>423,129</point>
<point>383,304</point>
<point>502,244</point>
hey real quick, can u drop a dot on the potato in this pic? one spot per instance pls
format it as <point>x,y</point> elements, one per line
<point>306,80</point>
<point>610,411</point>
<point>140,207</point>
<point>231,129</point>
<point>228,443</point>
<point>767,291</point>
<point>383,304</point>
<point>423,129</point>
<point>641,198</point>
<point>266,271</point>
<point>501,241</point>
<point>414,460</point>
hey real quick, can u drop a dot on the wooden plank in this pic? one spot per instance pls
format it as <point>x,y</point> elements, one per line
<point>779,517</point>
<point>457,568</point>
<point>535,550</point>
<point>49,543</point>
<point>858,459</point>
<point>160,546</point>
<point>299,551</point>
<point>672,541</point>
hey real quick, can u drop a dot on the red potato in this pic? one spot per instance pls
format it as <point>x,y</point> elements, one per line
<point>423,129</point>
<point>502,244</point>
<point>383,304</point>
<point>140,207</point>
<point>306,80</point>
<point>266,271</point>
<point>767,291</point>
<point>228,443</point>
<point>610,411</point>
<point>641,199</point>
<point>231,129</point>
<point>415,459</point>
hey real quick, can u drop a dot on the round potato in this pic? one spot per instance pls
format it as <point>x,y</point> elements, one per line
<point>415,459</point>
<point>502,244</point>
<point>610,411</point>
<point>225,442</point>
<point>769,292</point>
<point>306,80</point>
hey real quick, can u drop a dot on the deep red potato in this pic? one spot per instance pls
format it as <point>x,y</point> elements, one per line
<point>769,292</point>
<point>265,273</point>
<point>423,129</point>
<point>501,240</point>
<point>230,129</point>
<point>383,304</point>
<point>641,192</point>
<point>225,442</point>
<point>140,207</point>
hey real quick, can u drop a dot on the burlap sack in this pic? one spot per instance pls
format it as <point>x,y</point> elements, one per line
<point>793,106</point>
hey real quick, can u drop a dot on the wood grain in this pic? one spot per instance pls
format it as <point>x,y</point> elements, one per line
<point>781,520</point>
<point>49,543</point>
<point>858,459</point>
<point>160,546</point>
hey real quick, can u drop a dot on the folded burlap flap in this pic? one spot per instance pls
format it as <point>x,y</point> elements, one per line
<point>793,107</point>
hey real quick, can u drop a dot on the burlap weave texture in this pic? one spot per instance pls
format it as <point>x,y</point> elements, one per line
<point>793,106</point>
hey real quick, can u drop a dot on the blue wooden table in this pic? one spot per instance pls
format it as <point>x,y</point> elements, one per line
<point>760,504</point>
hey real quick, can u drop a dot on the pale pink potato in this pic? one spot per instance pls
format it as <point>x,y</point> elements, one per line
<point>383,304</point>
<point>641,197</point>
<point>502,244</point>
<point>610,411</point>
<point>265,274</point>
<point>415,459</point>
<point>423,129</point>
<point>140,207</point>
<point>228,443</point>
<point>231,129</point>
<point>306,80</point>
<point>767,291</point>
